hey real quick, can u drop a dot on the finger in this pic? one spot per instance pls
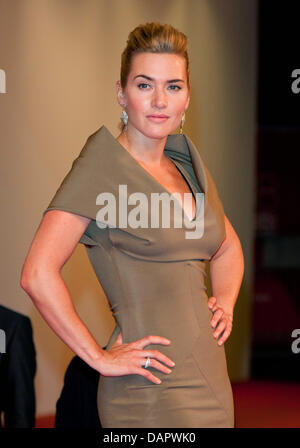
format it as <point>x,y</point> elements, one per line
<point>216,317</point>
<point>229,317</point>
<point>224,326</point>
<point>150,339</point>
<point>157,365</point>
<point>147,374</point>
<point>158,355</point>
<point>224,337</point>
<point>211,301</point>
<point>221,326</point>
<point>216,307</point>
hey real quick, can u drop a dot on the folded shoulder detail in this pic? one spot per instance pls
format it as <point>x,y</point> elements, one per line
<point>102,165</point>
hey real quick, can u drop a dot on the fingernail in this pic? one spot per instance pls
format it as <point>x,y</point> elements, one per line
<point>173,363</point>
<point>158,381</point>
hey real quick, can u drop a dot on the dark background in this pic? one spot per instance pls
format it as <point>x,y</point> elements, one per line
<point>276,310</point>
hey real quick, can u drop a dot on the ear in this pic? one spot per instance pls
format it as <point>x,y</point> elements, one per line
<point>120,95</point>
<point>187,102</point>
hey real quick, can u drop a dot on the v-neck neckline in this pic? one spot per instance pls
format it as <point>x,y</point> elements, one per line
<point>190,185</point>
<point>158,183</point>
<point>196,162</point>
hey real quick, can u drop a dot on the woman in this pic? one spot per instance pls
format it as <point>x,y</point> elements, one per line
<point>163,365</point>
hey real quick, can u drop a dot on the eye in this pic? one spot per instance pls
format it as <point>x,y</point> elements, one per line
<point>174,85</point>
<point>142,84</point>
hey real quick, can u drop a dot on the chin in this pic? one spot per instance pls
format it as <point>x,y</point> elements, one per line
<point>158,131</point>
<point>158,134</point>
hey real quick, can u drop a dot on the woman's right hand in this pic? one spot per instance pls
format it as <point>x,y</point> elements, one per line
<point>126,359</point>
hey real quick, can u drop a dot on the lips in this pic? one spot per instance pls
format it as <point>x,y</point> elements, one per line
<point>157,118</point>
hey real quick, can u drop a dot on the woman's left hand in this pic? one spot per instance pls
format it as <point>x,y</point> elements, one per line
<point>223,320</point>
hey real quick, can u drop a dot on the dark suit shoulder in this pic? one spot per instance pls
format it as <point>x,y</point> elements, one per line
<point>10,319</point>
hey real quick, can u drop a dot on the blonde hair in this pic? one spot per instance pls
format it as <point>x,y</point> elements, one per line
<point>153,38</point>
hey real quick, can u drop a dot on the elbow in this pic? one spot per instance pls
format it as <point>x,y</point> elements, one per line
<point>30,278</point>
<point>26,281</point>
<point>35,279</point>
<point>237,256</point>
<point>23,282</point>
<point>24,278</point>
<point>239,249</point>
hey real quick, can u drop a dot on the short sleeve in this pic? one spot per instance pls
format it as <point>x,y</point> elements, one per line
<point>78,191</point>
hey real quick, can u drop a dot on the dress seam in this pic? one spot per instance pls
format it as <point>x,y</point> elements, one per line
<point>111,255</point>
<point>192,353</point>
<point>209,385</point>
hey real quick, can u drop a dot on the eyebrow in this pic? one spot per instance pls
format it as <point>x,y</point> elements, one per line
<point>151,79</point>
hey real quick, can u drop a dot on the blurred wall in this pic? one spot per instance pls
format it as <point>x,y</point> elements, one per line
<point>62,59</point>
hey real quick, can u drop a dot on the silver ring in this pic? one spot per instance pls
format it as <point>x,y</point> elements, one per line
<point>147,362</point>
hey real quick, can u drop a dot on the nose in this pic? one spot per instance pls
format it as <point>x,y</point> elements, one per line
<point>159,98</point>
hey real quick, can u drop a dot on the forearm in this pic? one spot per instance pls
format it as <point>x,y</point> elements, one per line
<point>226,273</point>
<point>50,295</point>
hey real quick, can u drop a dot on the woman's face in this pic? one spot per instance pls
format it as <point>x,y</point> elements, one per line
<point>156,86</point>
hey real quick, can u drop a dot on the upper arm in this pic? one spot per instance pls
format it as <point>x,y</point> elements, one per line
<point>54,242</point>
<point>230,239</point>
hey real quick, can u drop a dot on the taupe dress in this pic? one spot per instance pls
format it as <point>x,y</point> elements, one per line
<point>154,280</point>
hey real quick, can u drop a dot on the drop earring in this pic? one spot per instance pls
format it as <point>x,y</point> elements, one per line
<point>124,118</point>
<point>182,122</point>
